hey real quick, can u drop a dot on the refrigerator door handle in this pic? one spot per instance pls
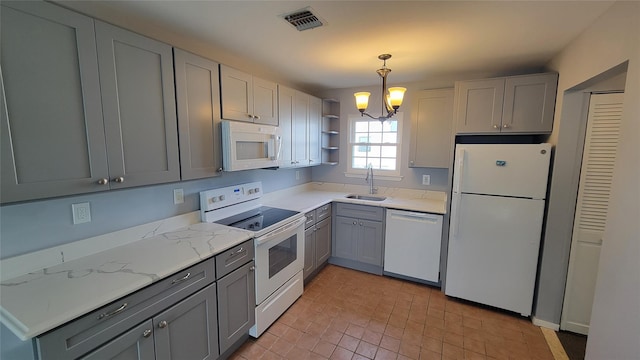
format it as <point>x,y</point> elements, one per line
<point>455,214</point>
<point>459,170</point>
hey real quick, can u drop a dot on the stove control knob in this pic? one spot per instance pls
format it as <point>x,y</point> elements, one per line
<point>221,197</point>
<point>213,199</point>
<point>250,191</point>
<point>256,190</point>
<point>257,224</point>
<point>250,226</point>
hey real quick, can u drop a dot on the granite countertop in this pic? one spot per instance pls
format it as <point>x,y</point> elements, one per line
<point>42,300</point>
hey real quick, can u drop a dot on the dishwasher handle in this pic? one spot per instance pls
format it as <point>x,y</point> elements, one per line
<point>414,216</point>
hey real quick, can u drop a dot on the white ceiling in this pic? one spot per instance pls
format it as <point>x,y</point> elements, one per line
<point>426,38</point>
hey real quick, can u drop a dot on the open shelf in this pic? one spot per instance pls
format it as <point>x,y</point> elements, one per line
<point>330,131</point>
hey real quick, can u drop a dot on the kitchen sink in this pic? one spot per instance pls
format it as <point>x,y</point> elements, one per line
<point>366,197</point>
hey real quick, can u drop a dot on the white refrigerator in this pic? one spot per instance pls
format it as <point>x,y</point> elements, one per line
<point>497,207</point>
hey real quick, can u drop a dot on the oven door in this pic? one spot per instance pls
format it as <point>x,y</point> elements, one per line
<point>249,146</point>
<point>279,256</point>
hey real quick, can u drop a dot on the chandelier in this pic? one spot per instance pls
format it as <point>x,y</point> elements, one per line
<point>391,99</point>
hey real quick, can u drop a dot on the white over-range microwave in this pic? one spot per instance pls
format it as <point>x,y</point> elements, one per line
<point>250,146</point>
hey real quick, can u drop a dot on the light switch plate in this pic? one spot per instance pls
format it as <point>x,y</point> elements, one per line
<point>81,213</point>
<point>178,196</point>
<point>426,179</point>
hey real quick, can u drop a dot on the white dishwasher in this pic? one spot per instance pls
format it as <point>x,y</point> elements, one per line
<point>412,244</point>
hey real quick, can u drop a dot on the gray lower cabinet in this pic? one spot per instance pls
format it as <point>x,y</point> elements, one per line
<point>51,126</point>
<point>358,239</point>
<point>187,330</point>
<point>317,240</point>
<point>198,104</point>
<point>135,344</point>
<point>236,305</point>
<point>138,102</point>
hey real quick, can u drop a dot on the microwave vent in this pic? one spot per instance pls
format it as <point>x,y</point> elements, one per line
<point>303,20</point>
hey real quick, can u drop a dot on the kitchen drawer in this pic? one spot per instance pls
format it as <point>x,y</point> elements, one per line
<point>84,334</point>
<point>311,219</point>
<point>233,258</point>
<point>323,212</point>
<point>374,213</point>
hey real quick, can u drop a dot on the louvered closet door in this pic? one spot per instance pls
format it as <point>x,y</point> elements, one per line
<point>598,160</point>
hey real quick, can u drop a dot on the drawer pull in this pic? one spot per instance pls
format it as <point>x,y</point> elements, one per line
<point>163,324</point>
<point>114,312</point>
<point>147,333</point>
<point>175,281</point>
<point>237,252</point>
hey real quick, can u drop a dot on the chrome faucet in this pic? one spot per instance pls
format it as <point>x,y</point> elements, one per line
<point>369,179</point>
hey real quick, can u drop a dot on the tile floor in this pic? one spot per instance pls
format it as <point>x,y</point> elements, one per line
<point>347,314</point>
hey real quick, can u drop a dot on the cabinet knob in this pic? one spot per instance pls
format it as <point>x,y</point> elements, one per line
<point>119,179</point>
<point>147,333</point>
<point>257,117</point>
<point>219,170</point>
<point>355,223</point>
<point>495,126</point>
<point>253,268</point>
<point>250,116</point>
<point>506,126</point>
<point>163,324</point>
<point>411,162</point>
<point>103,181</point>
<point>360,224</point>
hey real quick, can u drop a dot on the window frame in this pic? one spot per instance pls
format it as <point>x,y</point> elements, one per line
<point>394,175</point>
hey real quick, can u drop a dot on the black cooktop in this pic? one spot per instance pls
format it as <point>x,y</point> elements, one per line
<point>257,219</point>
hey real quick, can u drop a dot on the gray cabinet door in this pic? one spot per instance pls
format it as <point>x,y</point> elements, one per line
<point>285,113</point>
<point>346,234</point>
<point>51,127</point>
<point>135,344</point>
<point>309,252</point>
<point>370,242</point>
<point>138,98</point>
<point>479,106</point>
<point>198,103</point>
<point>300,129</point>
<point>237,94</point>
<point>265,102</point>
<point>529,103</point>
<point>188,330</point>
<point>315,127</point>
<point>236,305</point>
<point>322,241</point>
<point>432,128</point>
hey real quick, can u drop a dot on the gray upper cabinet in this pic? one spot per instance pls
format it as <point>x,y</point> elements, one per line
<point>285,113</point>
<point>248,98</point>
<point>138,99</point>
<point>315,134</point>
<point>432,128</point>
<point>300,129</point>
<point>198,103</point>
<point>51,126</point>
<point>510,105</point>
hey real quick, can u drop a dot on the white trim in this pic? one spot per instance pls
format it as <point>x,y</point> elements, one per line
<point>376,176</point>
<point>545,324</point>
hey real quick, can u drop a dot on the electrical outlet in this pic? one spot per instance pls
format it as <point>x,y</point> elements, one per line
<point>81,213</point>
<point>426,179</point>
<point>297,174</point>
<point>178,196</point>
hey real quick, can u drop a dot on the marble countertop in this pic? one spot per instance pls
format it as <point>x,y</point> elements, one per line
<point>34,303</point>
<point>312,195</point>
<point>62,290</point>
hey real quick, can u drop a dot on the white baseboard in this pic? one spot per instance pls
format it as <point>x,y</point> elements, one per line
<point>545,324</point>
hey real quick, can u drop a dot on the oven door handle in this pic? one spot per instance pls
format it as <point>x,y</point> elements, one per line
<point>267,237</point>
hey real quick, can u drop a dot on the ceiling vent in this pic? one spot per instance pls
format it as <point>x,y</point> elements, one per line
<point>303,20</point>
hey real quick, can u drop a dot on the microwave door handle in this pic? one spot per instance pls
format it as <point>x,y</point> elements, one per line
<point>275,143</point>
<point>279,144</point>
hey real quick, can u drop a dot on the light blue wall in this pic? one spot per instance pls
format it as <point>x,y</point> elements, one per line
<point>36,225</point>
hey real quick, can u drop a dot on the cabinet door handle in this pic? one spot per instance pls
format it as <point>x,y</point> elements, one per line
<point>250,116</point>
<point>257,117</point>
<point>114,312</point>
<point>163,324</point>
<point>147,333</point>
<point>219,170</point>
<point>253,268</point>
<point>355,223</point>
<point>236,252</point>
<point>119,179</point>
<point>496,126</point>
<point>103,181</point>
<point>175,281</point>
<point>506,126</point>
